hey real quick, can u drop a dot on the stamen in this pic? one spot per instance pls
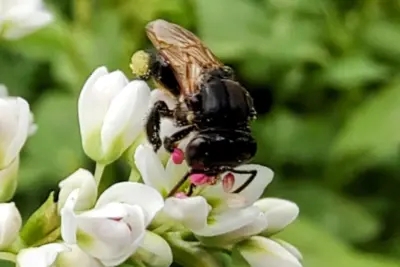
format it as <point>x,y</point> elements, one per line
<point>178,156</point>
<point>181,195</point>
<point>199,179</point>
<point>228,181</point>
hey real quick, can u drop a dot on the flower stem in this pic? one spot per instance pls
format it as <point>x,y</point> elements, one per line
<point>134,176</point>
<point>98,173</point>
<point>8,256</point>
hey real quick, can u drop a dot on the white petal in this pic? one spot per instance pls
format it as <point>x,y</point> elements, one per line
<point>279,212</point>
<point>10,223</point>
<point>76,257</point>
<point>254,228</point>
<point>14,125</point>
<point>292,249</point>
<point>68,218</point>
<point>132,193</point>
<point>89,119</point>
<point>84,181</point>
<point>8,180</point>
<point>151,169</point>
<point>3,91</point>
<point>114,230</point>
<point>228,221</point>
<point>192,212</point>
<point>154,251</point>
<point>175,172</point>
<point>43,256</point>
<point>260,252</point>
<point>23,20</point>
<point>125,116</point>
<point>250,194</point>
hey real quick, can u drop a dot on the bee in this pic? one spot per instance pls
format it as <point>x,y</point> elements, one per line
<point>211,103</point>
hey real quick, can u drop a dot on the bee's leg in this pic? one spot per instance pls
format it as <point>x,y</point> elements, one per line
<point>175,189</point>
<point>170,142</point>
<point>159,110</point>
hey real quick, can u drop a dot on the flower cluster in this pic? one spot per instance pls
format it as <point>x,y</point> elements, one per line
<point>135,222</point>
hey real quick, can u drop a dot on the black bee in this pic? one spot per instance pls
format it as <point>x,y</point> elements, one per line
<point>211,103</point>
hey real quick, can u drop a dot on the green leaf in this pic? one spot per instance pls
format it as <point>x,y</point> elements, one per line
<point>372,130</point>
<point>42,222</point>
<point>319,248</point>
<point>55,150</point>
<point>335,213</point>
<point>354,71</point>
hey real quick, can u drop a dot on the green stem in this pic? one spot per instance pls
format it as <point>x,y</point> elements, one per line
<point>98,173</point>
<point>7,256</point>
<point>134,176</point>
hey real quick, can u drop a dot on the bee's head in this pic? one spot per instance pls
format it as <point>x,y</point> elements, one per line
<point>219,147</point>
<point>140,64</point>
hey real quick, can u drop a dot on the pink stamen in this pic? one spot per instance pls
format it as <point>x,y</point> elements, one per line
<point>178,156</point>
<point>199,179</point>
<point>181,195</point>
<point>228,181</point>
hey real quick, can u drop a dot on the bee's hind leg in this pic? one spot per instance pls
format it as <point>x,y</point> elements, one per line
<point>159,110</point>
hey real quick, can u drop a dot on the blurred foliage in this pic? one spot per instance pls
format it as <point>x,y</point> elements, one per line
<point>325,78</point>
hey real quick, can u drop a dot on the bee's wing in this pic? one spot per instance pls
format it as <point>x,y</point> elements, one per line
<point>184,51</point>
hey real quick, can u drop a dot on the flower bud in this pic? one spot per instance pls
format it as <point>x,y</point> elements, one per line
<point>10,223</point>
<point>84,181</point>
<point>154,251</point>
<point>15,124</point>
<point>20,18</point>
<point>279,213</point>
<point>55,255</point>
<point>8,180</point>
<point>260,251</point>
<point>111,113</point>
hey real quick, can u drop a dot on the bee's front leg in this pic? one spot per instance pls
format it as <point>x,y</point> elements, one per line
<point>170,141</point>
<point>159,110</point>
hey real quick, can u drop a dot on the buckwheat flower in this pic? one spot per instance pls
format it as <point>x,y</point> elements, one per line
<point>55,255</point>
<point>19,18</point>
<point>211,210</point>
<point>15,124</point>
<point>116,226</point>
<point>10,224</point>
<point>111,112</point>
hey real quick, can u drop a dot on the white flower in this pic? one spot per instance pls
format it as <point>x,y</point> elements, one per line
<point>115,228</point>
<point>55,255</point>
<point>10,224</point>
<point>84,181</point>
<point>111,112</point>
<point>279,213</point>
<point>14,128</point>
<point>212,211</point>
<point>154,251</point>
<point>22,17</point>
<point>8,180</point>
<point>260,251</point>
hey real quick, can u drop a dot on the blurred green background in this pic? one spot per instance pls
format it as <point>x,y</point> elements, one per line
<point>326,82</point>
